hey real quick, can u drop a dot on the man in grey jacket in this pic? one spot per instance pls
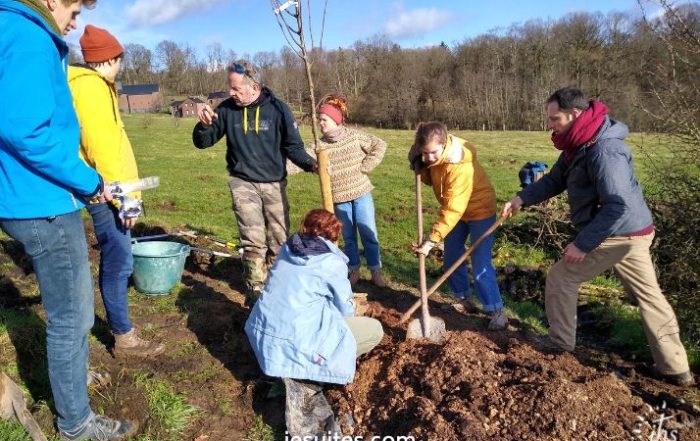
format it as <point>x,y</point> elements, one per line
<point>615,227</point>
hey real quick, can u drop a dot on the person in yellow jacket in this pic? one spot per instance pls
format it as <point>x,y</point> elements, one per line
<point>467,208</point>
<point>105,147</point>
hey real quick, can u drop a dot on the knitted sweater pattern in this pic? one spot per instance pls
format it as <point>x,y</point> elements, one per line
<point>352,154</point>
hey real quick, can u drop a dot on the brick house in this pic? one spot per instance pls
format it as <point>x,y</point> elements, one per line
<point>174,107</point>
<point>187,108</point>
<point>215,98</point>
<point>139,98</point>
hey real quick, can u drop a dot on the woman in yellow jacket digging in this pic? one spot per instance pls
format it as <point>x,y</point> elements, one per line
<point>467,209</point>
<point>105,147</point>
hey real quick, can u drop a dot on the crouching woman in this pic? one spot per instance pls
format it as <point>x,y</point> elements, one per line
<point>303,327</point>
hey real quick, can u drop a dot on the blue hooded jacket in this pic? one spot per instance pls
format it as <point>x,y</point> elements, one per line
<point>604,195</point>
<point>41,173</point>
<point>297,327</point>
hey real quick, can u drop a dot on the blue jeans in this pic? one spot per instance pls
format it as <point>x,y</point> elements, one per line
<point>484,274</point>
<point>116,264</point>
<point>355,215</point>
<point>59,255</point>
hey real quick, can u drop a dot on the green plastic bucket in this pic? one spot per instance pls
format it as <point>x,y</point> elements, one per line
<point>158,265</point>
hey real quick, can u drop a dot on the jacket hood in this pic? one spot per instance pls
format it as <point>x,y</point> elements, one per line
<point>452,153</point>
<point>27,12</point>
<point>302,249</point>
<point>82,70</point>
<point>304,245</point>
<point>612,129</point>
<point>266,96</point>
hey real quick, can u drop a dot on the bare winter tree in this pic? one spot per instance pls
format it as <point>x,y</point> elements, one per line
<point>137,65</point>
<point>672,100</point>
<point>291,22</point>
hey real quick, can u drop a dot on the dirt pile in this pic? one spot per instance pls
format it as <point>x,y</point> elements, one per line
<point>473,388</point>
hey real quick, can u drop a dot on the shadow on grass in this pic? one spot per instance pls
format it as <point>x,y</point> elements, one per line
<point>27,332</point>
<point>15,251</point>
<point>100,330</point>
<point>218,322</point>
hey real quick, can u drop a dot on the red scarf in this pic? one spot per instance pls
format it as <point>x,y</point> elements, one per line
<point>582,131</point>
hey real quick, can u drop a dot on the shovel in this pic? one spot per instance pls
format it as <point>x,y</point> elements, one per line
<point>407,315</point>
<point>432,328</point>
<point>13,405</point>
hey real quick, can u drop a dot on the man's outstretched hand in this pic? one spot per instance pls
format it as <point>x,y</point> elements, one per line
<point>207,116</point>
<point>512,207</point>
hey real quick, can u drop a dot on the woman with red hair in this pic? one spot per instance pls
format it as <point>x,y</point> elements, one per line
<point>302,326</point>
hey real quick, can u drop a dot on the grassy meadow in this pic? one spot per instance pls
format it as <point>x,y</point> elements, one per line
<point>194,191</point>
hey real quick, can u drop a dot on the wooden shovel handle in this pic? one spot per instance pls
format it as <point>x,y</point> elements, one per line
<point>425,322</point>
<point>407,315</point>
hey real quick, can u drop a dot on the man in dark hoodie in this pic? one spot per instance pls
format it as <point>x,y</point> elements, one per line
<point>615,227</point>
<point>261,134</point>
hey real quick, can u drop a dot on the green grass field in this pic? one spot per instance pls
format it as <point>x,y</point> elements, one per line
<point>194,190</point>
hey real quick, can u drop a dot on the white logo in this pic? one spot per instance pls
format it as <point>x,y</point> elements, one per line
<point>654,421</point>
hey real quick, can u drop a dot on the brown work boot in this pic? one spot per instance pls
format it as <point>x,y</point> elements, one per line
<point>354,276</point>
<point>499,320</point>
<point>546,345</point>
<point>132,344</point>
<point>377,279</point>
<point>685,379</point>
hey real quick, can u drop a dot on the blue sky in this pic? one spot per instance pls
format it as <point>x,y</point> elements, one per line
<point>249,26</point>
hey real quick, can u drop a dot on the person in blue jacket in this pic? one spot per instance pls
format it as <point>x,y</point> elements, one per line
<point>43,186</point>
<point>302,326</point>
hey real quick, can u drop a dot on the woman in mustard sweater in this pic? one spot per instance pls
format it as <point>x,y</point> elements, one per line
<point>467,208</point>
<point>352,155</point>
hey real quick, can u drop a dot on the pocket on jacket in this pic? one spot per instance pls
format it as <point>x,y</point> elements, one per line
<point>327,348</point>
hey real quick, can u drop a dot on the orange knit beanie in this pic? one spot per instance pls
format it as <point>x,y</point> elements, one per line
<point>98,45</point>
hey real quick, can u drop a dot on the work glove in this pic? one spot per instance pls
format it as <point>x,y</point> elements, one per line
<point>130,208</point>
<point>415,158</point>
<point>426,247</point>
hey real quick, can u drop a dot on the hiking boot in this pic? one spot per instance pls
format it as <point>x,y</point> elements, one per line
<point>545,344</point>
<point>132,344</point>
<point>499,320</point>
<point>101,428</point>
<point>683,380</point>
<point>377,279</point>
<point>255,271</point>
<point>354,276</point>
<point>252,293</point>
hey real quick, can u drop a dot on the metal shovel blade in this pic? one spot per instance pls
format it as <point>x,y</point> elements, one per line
<point>435,329</point>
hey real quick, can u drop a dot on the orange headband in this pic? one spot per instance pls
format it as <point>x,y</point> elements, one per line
<point>333,112</point>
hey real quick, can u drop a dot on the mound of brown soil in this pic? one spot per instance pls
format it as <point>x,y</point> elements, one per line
<point>473,388</point>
